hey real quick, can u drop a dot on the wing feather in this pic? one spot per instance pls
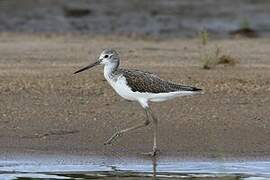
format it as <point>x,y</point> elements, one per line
<point>140,81</point>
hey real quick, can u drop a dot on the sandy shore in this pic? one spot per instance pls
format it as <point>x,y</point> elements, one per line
<point>45,108</point>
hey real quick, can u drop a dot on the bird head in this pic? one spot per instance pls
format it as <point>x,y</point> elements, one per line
<point>107,56</point>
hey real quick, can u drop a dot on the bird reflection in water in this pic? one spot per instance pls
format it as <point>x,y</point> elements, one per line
<point>154,163</point>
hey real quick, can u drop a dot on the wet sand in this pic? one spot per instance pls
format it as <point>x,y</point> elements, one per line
<point>44,108</point>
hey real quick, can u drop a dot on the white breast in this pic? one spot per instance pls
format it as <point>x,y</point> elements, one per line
<point>121,87</point>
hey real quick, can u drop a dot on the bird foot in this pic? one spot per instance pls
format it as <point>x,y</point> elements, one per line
<point>153,153</point>
<point>115,135</point>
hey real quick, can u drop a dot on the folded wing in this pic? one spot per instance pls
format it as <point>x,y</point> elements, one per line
<point>140,81</point>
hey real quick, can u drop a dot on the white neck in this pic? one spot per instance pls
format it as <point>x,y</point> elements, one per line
<point>108,70</point>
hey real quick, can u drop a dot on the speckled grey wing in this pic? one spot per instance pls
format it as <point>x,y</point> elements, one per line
<point>140,81</point>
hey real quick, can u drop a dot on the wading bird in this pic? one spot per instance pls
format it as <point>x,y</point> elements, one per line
<point>140,86</point>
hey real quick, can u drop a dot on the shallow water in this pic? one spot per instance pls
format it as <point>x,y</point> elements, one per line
<point>77,167</point>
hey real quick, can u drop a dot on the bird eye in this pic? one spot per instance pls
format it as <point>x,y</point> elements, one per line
<point>106,56</point>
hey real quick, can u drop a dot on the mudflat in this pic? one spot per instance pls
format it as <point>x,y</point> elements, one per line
<point>45,108</point>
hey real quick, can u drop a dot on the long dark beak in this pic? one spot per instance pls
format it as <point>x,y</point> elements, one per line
<point>88,67</point>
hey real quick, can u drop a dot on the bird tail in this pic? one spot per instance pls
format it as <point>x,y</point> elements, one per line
<point>189,88</point>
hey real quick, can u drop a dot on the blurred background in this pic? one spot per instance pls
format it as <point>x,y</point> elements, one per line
<point>172,18</point>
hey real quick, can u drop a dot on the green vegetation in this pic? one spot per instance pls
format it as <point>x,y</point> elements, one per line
<point>204,36</point>
<point>215,57</point>
<point>212,57</point>
<point>245,24</point>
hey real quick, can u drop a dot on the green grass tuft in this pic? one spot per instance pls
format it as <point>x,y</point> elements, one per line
<point>211,59</point>
<point>204,37</point>
<point>245,24</point>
